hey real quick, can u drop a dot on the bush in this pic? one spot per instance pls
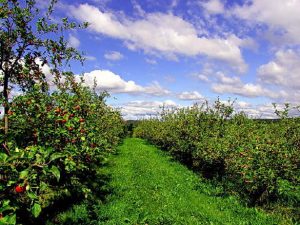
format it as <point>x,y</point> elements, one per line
<point>55,145</point>
<point>258,159</point>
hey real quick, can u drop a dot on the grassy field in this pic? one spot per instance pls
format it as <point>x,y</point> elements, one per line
<point>149,188</point>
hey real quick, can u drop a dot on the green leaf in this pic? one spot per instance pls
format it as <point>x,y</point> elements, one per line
<point>55,171</point>
<point>23,174</point>
<point>31,195</point>
<point>5,203</point>
<point>43,186</point>
<point>55,156</point>
<point>3,157</point>
<point>36,210</point>
<point>8,220</point>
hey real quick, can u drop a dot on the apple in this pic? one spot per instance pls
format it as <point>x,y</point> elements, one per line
<point>20,189</point>
<point>57,110</point>
<point>93,145</point>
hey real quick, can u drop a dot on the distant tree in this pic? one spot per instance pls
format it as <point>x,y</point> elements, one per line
<point>29,39</point>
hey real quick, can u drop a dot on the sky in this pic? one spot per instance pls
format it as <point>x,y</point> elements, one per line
<point>149,53</point>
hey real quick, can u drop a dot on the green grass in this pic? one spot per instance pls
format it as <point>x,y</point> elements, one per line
<point>148,187</point>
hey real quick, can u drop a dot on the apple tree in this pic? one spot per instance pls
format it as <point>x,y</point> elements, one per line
<point>29,39</point>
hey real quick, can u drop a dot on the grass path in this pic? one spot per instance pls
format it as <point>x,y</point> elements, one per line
<point>149,188</point>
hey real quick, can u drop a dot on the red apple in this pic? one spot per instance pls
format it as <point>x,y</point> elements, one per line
<point>19,189</point>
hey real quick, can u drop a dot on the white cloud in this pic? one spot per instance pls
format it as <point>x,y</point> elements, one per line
<point>145,109</point>
<point>203,77</point>
<point>213,6</point>
<point>284,70</point>
<point>113,83</point>
<point>234,85</point>
<point>156,89</point>
<point>247,42</point>
<point>165,33</point>
<point>227,80</point>
<point>284,73</point>
<point>282,16</point>
<point>193,95</point>
<point>242,104</point>
<point>73,41</point>
<point>267,110</point>
<point>113,55</point>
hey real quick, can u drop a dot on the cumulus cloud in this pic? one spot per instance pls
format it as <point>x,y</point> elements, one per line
<point>283,72</point>
<point>147,109</point>
<point>282,16</point>
<point>113,83</point>
<point>265,111</point>
<point>158,32</point>
<point>113,55</point>
<point>144,109</point>
<point>234,85</point>
<point>192,95</point>
<point>246,42</point>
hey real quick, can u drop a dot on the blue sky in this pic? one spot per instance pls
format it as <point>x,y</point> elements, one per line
<point>147,53</point>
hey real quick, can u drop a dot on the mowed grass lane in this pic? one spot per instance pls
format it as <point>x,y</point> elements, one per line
<point>149,188</point>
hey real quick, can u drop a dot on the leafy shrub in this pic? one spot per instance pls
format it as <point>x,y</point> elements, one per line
<point>257,159</point>
<point>55,145</point>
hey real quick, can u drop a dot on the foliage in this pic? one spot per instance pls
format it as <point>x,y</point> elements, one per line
<point>29,39</point>
<point>257,159</point>
<point>129,127</point>
<point>59,140</point>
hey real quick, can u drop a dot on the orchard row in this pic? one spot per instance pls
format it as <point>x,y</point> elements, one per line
<point>259,159</point>
<point>55,145</point>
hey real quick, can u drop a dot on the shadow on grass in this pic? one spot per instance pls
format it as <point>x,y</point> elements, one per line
<point>73,208</point>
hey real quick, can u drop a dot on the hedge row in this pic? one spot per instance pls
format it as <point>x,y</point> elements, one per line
<point>54,147</point>
<point>259,159</point>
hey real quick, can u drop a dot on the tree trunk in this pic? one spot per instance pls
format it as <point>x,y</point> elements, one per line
<point>6,124</point>
<point>6,107</point>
